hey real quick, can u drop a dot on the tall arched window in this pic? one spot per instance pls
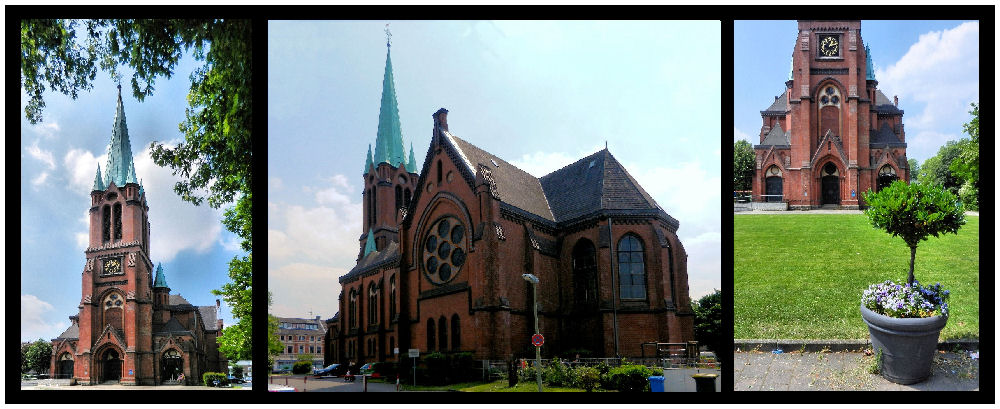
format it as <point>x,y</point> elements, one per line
<point>443,333</point>
<point>352,310</point>
<point>406,197</point>
<point>106,223</point>
<point>392,297</point>
<point>584,276</point>
<point>399,197</point>
<point>118,221</point>
<point>430,334</point>
<point>456,331</point>
<point>372,304</point>
<point>631,268</point>
<point>439,172</point>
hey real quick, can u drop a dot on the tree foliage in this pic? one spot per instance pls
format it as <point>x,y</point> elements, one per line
<point>216,155</point>
<point>743,164</point>
<point>914,170</point>
<point>913,211</point>
<point>708,323</point>
<point>936,170</point>
<point>274,345</point>
<point>966,165</point>
<point>39,356</point>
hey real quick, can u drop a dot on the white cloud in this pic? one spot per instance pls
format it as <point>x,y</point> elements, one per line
<point>739,135</point>
<point>42,155</point>
<point>936,79</point>
<point>48,130</point>
<point>33,324</point>
<point>81,166</point>
<point>326,233</point>
<point>298,288</point>
<point>276,183</point>
<point>38,181</point>
<point>539,164</point>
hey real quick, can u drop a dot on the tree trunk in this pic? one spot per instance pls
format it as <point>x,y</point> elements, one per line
<point>913,255</point>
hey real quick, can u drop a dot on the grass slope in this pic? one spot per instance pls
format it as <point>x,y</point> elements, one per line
<point>801,276</point>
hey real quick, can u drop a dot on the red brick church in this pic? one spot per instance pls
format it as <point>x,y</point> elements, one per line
<point>129,329</point>
<point>445,242</point>
<point>832,134</point>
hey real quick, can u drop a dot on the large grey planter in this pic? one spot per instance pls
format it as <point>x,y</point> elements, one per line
<point>907,344</point>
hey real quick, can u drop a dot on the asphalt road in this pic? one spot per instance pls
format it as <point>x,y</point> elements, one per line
<point>312,384</point>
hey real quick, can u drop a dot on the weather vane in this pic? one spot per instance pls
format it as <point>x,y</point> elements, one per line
<point>388,35</point>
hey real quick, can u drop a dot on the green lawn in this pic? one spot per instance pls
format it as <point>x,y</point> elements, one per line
<point>801,276</point>
<point>496,386</point>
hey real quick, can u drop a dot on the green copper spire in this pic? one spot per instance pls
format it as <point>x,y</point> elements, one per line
<point>389,140</point>
<point>120,168</point>
<point>161,279</point>
<point>368,161</point>
<point>412,168</point>
<point>98,180</point>
<point>868,60</point>
<point>370,243</point>
<point>141,188</point>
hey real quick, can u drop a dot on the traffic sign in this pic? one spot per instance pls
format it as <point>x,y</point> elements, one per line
<point>537,340</point>
<point>414,353</point>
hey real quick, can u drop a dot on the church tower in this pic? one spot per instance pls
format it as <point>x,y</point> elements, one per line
<point>389,176</point>
<point>117,286</point>
<point>832,134</point>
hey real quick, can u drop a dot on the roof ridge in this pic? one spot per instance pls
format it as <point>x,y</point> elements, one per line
<point>573,163</point>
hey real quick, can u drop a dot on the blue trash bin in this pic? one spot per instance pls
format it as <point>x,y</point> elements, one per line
<point>656,383</point>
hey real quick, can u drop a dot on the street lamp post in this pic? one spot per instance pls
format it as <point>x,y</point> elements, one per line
<point>538,349</point>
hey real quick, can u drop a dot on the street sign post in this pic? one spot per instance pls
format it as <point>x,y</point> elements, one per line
<point>537,340</point>
<point>414,353</point>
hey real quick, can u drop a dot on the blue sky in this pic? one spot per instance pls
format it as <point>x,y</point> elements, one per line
<point>538,94</point>
<point>933,66</point>
<point>59,158</point>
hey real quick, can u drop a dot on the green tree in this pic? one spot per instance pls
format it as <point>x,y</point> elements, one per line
<point>913,211</point>
<point>274,345</point>
<point>25,346</point>
<point>936,170</point>
<point>743,164</point>
<point>966,165</point>
<point>214,161</point>
<point>708,323</point>
<point>914,169</point>
<point>39,356</point>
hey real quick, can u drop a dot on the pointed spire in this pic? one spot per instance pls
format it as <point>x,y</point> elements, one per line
<point>98,180</point>
<point>141,188</point>
<point>368,161</point>
<point>161,279</point>
<point>870,66</point>
<point>120,168</point>
<point>389,140</point>
<point>413,161</point>
<point>370,243</point>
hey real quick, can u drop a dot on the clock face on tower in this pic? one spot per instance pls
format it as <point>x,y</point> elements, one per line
<point>112,266</point>
<point>829,46</point>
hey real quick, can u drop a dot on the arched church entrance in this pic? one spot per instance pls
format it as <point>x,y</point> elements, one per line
<point>886,175</point>
<point>583,332</point>
<point>171,365</point>
<point>773,184</point>
<point>64,368</point>
<point>831,184</point>
<point>111,366</point>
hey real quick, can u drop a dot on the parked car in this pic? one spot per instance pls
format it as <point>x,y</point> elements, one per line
<point>328,371</point>
<point>369,370</point>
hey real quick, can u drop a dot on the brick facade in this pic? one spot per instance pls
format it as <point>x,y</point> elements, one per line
<point>832,134</point>
<point>300,336</point>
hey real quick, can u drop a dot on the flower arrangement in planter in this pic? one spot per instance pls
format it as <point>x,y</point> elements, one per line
<point>905,320</point>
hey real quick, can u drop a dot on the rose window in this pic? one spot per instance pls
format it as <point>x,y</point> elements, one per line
<point>444,250</point>
<point>112,301</point>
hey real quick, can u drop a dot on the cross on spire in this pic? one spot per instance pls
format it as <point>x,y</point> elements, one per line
<point>388,36</point>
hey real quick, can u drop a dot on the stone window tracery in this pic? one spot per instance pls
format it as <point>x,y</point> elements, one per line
<point>631,268</point>
<point>444,250</point>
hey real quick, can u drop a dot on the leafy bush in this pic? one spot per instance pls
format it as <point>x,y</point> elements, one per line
<point>386,369</point>
<point>629,378</point>
<point>437,368</point>
<point>462,367</point>
<point>557,373</point>
<point>214,379</point>
<point>526,373</point>
<point>969,196</point>
<point>586,377</point>
<point>302,367</point>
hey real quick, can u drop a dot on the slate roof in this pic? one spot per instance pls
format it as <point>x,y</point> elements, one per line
<point>777,136</point>
<point>780,105</point>
<point>209,317</point>
<point>299,320</point>
<point>514,186</point>
<point>171,327</point>
<point>73,332</point>
<point>594,183</point>
<point>884,105</point>
<point>176,299</point>
<point>885,136</point>
<point>388,255</point>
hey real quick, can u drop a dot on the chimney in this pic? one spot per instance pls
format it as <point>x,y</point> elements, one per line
<point>441,119</point>
<point>217,304</point>
<point>895,100</point>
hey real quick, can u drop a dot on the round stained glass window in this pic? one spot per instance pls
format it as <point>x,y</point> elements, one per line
<point>835,99</point>
<point>824,99</point>
<point>444,250</point>
<point>829,90</point>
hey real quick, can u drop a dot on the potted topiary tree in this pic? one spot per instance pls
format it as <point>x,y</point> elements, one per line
<point>904,321</point>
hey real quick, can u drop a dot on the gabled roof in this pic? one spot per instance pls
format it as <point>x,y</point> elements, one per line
<point>73,332</point>
<point>514,186</point>
<point>885,136</point>
<point>171,327</point>
<point>176,299</point>
<point>883,105</point>
<point>777,137</point>
<point>780,105</point>
<point>373,260</point>
<point>209,317</point>
<point>120,169</point>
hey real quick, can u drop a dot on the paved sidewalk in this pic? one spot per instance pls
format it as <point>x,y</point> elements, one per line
<point>843,371</point>
<point>313,384</point>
